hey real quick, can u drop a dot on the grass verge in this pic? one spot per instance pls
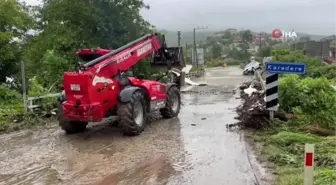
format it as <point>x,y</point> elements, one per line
<point>283,150</point>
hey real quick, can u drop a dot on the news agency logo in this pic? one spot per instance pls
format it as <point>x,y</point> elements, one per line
<point>278,33</point>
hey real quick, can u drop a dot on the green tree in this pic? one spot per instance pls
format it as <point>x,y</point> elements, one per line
<point>264,51</point>
<point>315,68</point>
<point>66,26</point>
<point>226,50</point>
<point>14,23</point>
<point>246,36</point>
<point>227,38</point>
<point>281,46</point>
<point>333,44</point>
<point>216,50</point>
<point>239,54</point>
<point>227,34</point>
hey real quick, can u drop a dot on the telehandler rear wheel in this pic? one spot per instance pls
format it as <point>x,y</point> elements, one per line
<point>132,115</point>
<point>70,127</point>
<point>173,103</point>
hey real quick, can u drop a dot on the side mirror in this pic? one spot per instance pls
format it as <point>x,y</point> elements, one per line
<point>141,76</point>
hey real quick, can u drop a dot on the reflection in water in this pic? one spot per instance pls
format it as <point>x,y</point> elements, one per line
<point>155,171</point>
<point>48,156</point>
<point>160,158</point>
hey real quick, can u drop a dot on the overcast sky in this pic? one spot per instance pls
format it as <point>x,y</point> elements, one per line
<point>307,16</point>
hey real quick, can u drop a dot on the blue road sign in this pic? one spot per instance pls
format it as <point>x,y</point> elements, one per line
<point>285,67</point>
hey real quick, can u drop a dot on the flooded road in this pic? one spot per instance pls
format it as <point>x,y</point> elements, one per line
<point>196,148</point>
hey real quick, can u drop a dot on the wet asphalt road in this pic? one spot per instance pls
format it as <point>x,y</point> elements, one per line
<point>194,149</point>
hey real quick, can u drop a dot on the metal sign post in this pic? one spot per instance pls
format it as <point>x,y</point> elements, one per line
<point>273,69</point>
<point>272,93</point>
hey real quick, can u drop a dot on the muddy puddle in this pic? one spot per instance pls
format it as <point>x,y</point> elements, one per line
<point>194,149</point>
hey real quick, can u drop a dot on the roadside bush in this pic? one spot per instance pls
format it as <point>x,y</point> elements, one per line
<point>214,63</point>
<point>325,176</point>
<point>315,67</point>
<point>232,62</point>
<point>11,104</point>
<point>314,99</point>
<point>295,56</point>
<point>12,114</point>
<point>11,100</point>
<point>36,89</point>
<point>328,71</point>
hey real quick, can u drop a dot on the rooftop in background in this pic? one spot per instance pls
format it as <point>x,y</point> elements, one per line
<point>329,38</point>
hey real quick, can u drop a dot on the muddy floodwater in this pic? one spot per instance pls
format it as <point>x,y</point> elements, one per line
<point>196,148</point>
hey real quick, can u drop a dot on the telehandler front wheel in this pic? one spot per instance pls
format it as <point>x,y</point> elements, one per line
<point>70,127</point>
<point>173,103</point>
<point>132,115</point>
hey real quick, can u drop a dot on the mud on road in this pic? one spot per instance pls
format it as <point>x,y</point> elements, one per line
<point>196,148</point>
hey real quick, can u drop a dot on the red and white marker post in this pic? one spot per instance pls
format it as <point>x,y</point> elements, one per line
<point>309,164</point>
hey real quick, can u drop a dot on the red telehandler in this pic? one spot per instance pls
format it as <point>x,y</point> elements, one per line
<point>101,87</point>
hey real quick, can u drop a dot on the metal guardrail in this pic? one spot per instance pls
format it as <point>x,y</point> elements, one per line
<point>30,100</point>
<point>195,74</point>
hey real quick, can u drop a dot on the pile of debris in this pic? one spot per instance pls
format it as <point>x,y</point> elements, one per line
<point>252,112</point>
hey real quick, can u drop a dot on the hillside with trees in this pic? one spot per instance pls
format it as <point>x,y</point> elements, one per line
<point>201,35</point>
<point>232,44</point>
<point>229,46</point>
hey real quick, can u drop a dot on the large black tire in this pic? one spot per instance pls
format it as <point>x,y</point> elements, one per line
<point>128,112</point>
<point>173,103</point>
<point>70,127</point>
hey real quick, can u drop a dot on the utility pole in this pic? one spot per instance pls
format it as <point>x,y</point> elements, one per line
<point>260,44</point>
<point>195,49</point>
<point>179,38</point>
<point>24,87</point>
<point>186,52</point>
